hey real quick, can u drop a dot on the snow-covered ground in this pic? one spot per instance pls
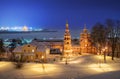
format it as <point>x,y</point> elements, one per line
<point>82,67</point>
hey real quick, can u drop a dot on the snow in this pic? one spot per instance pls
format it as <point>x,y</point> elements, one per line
<point>86,67</point>
<point>40,49</point>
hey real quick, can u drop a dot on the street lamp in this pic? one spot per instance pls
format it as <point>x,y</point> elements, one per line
<point>66,61</point>
<point>42,62</point>
<point>66,56</point>
<point>104,51</point>
<point>42,57</point>
<point>100,60</point>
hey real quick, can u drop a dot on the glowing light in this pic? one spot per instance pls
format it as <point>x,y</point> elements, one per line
<point>101,67</point>
<point>100,57</point>
<point>49,68</point>
<point>3,64</point>
<point>32,50</point>
<point>68,50</point>
<point>25,28</point>
<point>42,57</point>
<point>16,28</point>
<point>75,62</point>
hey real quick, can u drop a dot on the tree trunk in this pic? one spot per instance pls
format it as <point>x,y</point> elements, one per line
<point>113,52</point>
<point>117,54</point>
<point>104,57</point>
<point>118,51</point>
<point>112,55</point>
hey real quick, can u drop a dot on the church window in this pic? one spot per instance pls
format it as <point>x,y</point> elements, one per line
<point>36,56</point>
<point>32,50</point>
<point>67,42</point>
<point>85,45</point>
<point>67,38</point>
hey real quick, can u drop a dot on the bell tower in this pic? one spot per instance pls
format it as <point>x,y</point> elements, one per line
<point>67,50</point>
<point>85,41</point>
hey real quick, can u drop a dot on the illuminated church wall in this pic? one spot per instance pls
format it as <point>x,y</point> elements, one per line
<point>85,44</point>
<point>67,49</point>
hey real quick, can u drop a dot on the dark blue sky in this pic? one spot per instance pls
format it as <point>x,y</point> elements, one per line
<point>53,13</point>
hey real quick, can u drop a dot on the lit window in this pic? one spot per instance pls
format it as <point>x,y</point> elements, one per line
<point>85,40</point>
<point>33,50</point>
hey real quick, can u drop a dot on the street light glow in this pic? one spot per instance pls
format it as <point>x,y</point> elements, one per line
<point>49,68</point>
<point>2,64</point>
<point>102,68</point>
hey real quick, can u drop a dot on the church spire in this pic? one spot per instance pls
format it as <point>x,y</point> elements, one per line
<point>67,28</point>
<point>85,29</point>
<point>85,26</point>
<point>67,42</point>
<point>67,24</point>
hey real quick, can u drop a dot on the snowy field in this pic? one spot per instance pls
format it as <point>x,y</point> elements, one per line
<point>82,67</point>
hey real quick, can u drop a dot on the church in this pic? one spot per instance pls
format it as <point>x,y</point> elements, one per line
<point>84,46</point>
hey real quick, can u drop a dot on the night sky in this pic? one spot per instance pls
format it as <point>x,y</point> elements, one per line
<point>53,14</point>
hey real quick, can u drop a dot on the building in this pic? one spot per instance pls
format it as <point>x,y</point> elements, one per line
<point>29,53</point>
<point>39,51</point>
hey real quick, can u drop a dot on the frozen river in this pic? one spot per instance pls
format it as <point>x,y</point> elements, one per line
<point>40,35</point>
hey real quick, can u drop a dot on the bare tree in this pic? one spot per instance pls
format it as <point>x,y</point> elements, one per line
<point>98,35</point>
<point>113,34</point>
<point>118,37</point>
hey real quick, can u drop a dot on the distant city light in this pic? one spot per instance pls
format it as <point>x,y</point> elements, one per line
<point>19,28</point>
<point>25,28</point>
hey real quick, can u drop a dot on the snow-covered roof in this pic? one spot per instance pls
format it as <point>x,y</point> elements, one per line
<point>41,49</point>
<point>18,49</point>
<point>41,46</point>
<point>45,43</point>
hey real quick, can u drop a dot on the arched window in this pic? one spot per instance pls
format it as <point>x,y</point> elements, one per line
<point>36,55</point>
<point>67,43</point>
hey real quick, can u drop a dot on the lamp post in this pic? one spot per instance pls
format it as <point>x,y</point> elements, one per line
<point>104,55</point>
<point>104,51</point>
<point>66,60</point>
<point>43,62</point>
<point>67,55</point>
<point>99,59</point>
